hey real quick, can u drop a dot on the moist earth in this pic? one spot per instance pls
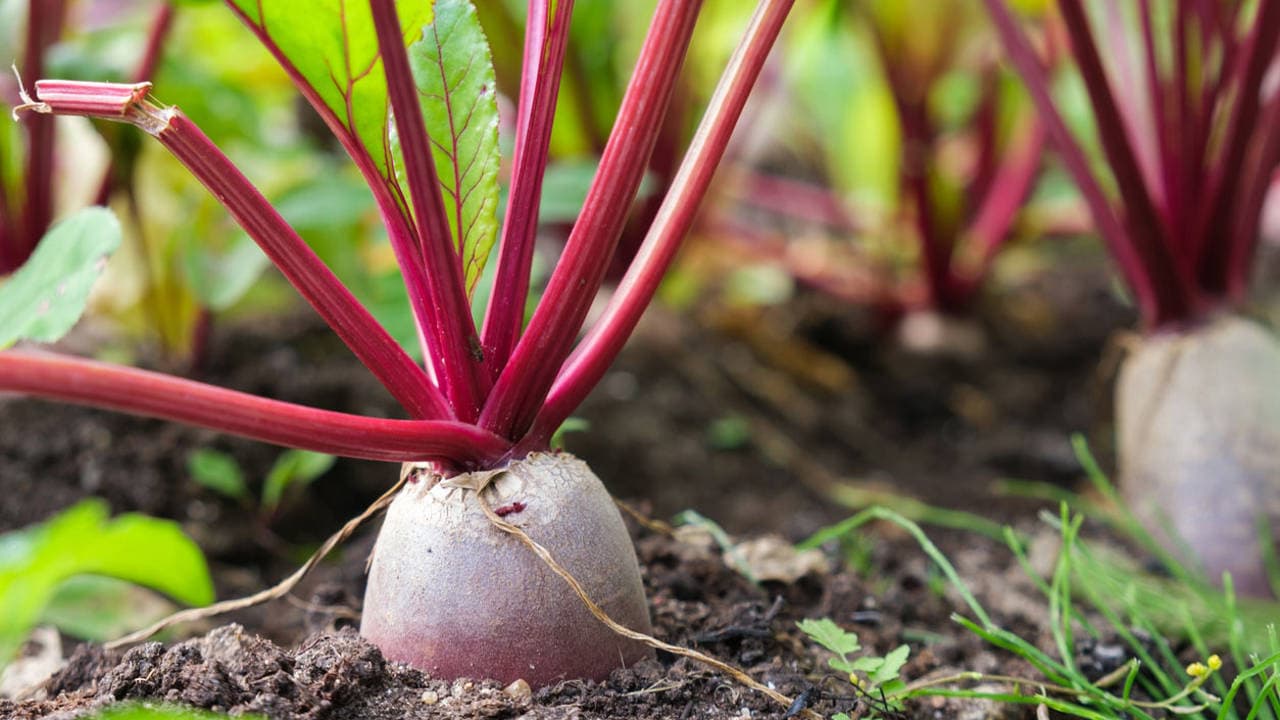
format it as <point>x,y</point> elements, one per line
<point>762,426</point>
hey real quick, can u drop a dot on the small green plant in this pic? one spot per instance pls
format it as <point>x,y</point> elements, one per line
<point>291,473</point>
<point>148,711</point>
<point>1092,595</point>
<point>36,564</point>
<point>878,677</point>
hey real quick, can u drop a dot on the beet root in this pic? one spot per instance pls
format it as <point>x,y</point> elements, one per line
<point>1198,427</point>
<point>455,596</point>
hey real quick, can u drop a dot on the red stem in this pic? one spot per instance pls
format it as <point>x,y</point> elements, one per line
<point>157,35</point>
<point>290,253</point>
<point>598,350</point>
<point>936,243</point>
<point>1010,187</point>
<point>524,382</point>
<point>45,19</point>
<point>1131,97</point>
<point>1173,288</point>
<point>544,49</point>
<point>986,130</point>
<point>1244,235</point>
<point>1224,184</point>
<point>150,394</point>
<point>386,194</point>
<point>450,331</point>
<point>1130,261</point>
<point>1165,158</point>
<point>305,270</point>
<point>8,229</point>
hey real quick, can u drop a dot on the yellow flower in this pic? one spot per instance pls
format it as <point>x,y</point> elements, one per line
<point>1215,662</point>
<point>1197,669</point>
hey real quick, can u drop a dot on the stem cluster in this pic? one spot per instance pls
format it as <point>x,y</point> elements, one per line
<point>1189,129</point>
<point>482,396</point>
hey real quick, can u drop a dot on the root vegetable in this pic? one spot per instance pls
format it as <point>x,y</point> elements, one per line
<point>450,593</point>
<point>1198,426</point>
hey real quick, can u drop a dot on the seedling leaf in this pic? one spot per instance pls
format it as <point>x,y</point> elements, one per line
<point>219,472</point>
<point>47,295</point>
<point>570,425</point>
<point>140,711</point>
<point>97,608</point>
<point>890,666</point>
<point>220,278</point>
<point>830,635</point>
<point>82,541</point>
<point>292,468</point>
<point>453,71</point>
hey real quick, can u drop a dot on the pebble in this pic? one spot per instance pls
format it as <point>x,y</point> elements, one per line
<point>430,697</point>
<point>519,691</point>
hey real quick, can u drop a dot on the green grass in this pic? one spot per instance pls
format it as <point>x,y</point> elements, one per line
<point>1094,592</point>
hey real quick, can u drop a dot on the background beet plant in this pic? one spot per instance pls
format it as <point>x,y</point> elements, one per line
<point>1184,99</point>
<point>408,90</point>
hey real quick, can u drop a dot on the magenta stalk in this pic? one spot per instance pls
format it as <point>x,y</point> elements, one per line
<point>157,35</point>
<point>450,330</point>
<point>156,395</point>
<point>289,252</point>
<point>523,383</point>
<point>1143,224</point>
<point>1128,258</point>
<point>545,42</point>
<point>45,19</point>
<point>386,194</point>
<point>602,345</point>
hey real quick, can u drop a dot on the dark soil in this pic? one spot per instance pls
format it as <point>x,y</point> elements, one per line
<point>759,426</point>
<point>696,601</point>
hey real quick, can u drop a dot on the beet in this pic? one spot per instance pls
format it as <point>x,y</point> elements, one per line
<point>1198,426</point>
<point>456,597</point>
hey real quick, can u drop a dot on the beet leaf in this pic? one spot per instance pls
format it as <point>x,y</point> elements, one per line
<point>453,70</point>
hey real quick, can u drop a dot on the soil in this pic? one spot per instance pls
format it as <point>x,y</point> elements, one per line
<point>762,420</point>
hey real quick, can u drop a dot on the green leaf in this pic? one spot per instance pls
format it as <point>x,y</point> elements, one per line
<point>294,468</point>
<point>219,278</point>
<point>867,664</point>
<point>564,189</point>
<point>830,635</point>
<point>570,425</point>
<point>82,541</point>
<point>453,69</point>
<point>890,666</point>
<point>148,711</point>
<point>47,295</point>
<point>100,608</point>
<point>333,47</point>
<point>219,472</point>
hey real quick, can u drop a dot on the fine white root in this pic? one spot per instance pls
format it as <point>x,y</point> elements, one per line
<point>272,593</point>
<point>625,631</point>
<point>283,588</point>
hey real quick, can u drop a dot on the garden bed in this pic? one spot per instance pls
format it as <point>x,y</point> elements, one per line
<point>772,442</point>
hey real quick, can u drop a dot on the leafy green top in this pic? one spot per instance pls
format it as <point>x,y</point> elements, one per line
<point>453,70</point>
<point>332,46</point>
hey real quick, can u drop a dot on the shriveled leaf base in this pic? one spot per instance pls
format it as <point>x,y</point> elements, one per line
<point>451,594</point>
